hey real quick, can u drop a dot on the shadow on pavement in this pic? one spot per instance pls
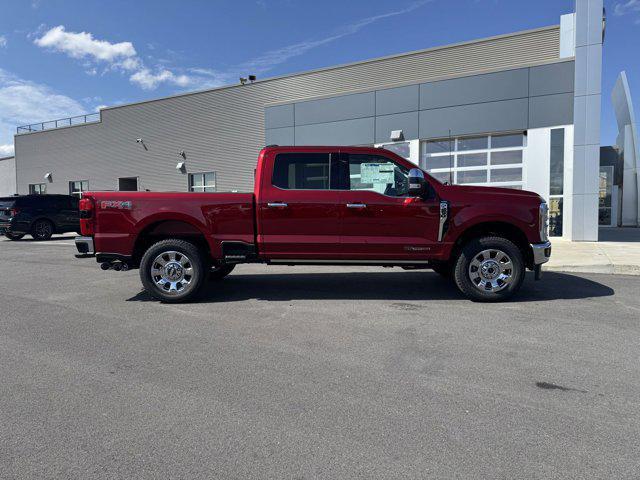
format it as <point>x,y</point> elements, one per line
<point>408,286</point>
<point>27,239</point>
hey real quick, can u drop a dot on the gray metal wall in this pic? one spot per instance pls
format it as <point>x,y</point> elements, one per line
<point>222,130</point>
<point>517,99</point>
<point>7,176</point>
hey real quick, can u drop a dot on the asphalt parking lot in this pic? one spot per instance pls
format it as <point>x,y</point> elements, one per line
<point>315,372</point>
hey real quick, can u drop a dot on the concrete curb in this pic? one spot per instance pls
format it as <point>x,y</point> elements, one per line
<point>608,269</point>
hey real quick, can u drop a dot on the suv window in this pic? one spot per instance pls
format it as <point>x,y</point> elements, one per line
<point>7,202</point>
<point>302,171</point>
<point>378,174</point>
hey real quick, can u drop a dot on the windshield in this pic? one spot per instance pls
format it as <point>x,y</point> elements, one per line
<point>7,202</point>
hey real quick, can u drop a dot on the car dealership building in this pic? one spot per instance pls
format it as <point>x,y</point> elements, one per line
<point>520,110</point>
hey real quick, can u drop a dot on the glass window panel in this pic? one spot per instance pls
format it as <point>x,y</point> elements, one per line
<point>606,185</point>
<point>506,175</point>
<point>444,161</point>
<point>472,160</point>
<point>84,185</point>
<point>506,157</point>
<point>378,174</point>
<point>442,176</point>
<point>472,176</point>
<point>473,143</point>
<point>438,146</point>
<point>197,180</point>
<point>301,171</point>
<point>210,179</point>
<point>512,187</point>
<point>505,141</point>
<point>555,217</point>
<point>209,189</point>
<point>403,149</point>
<point>604,216</point>
<point>557,162</point>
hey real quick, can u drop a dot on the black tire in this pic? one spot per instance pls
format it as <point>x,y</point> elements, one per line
<point>177,285</point>
<point>482,280</point>
<point>219,272</point>
<point>14,236</point>
<point>42,229</point>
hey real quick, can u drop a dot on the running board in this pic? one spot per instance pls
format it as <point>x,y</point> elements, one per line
<point>348,262</point>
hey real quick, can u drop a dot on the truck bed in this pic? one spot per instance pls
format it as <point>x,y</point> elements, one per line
<point>122,216</point>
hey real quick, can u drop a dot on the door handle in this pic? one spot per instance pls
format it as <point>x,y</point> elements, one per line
<point>277,205</point>
<point>356,205</point>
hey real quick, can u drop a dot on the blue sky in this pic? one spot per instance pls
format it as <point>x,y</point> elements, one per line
<point>65,57</point>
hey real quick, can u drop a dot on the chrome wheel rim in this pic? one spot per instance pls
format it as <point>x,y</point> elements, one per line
<point>491,270</point>
<point>172,272</point>
<point>43,229</point>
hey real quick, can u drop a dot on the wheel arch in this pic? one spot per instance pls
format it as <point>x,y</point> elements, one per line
<point>165,228</point>
<point>495,229</point>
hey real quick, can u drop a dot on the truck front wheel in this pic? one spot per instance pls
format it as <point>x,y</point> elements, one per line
<point>489,269</point>
<point>173,270</point>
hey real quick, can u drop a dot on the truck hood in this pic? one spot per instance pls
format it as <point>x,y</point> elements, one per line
<point>477,192</point>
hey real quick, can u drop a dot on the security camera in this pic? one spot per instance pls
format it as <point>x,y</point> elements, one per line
<point>243,80</point>
<point>138,140</point>
<point>252,78</point>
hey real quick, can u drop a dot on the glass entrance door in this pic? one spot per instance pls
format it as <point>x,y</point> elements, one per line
<point>605,203</point>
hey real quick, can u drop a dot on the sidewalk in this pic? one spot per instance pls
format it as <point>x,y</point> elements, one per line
<point>618,251</point>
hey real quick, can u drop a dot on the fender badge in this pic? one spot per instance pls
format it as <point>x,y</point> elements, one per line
<point>115,204</point>
<point>417,249</point>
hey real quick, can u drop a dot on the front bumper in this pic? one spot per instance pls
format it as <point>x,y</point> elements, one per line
<point>541,252</point>
<point>85,247</point>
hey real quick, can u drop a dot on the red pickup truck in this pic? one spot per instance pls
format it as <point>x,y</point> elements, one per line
<point>321,206</point>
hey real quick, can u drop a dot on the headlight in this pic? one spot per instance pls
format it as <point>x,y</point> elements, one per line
<point>543,221</point>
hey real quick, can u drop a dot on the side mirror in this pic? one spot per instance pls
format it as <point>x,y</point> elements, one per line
<point>416,183</point>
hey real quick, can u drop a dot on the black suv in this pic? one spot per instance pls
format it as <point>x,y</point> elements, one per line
<point>38,215</point>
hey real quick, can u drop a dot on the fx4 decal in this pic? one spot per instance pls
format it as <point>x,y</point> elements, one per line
<point>116,204</point>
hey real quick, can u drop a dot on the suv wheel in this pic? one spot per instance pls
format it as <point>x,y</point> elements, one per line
<point>172,270</point>
<point>14,236</point>
<point>42,230</point>
<point>489,269</point>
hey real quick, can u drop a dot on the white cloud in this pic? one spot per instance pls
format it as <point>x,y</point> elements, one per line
<point>23,102</point>
<point>6,150</point>
<point>624,8</point>
<point>148,80</point>
<point>3,41</point>
<point>202,78</point>
<point>275,57</point>
<point>123,57</point>
<point>83,45</point>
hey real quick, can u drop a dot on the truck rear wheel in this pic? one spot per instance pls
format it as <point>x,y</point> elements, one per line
<point>173,270</point>
<point>489,269</point>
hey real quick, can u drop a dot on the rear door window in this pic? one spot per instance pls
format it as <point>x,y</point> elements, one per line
<point>302,171</point>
